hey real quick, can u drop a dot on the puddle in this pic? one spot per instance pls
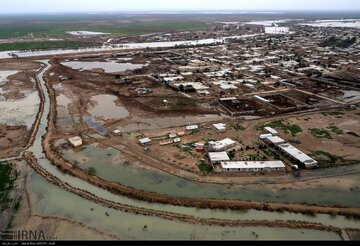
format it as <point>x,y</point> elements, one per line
<point>106,108</point>
<point>96,125</point>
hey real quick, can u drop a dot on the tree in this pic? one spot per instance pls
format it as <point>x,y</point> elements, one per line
<point>91,171</point>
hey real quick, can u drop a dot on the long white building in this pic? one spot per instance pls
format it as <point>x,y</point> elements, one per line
<point>298,156</point>
<point>252,166</point>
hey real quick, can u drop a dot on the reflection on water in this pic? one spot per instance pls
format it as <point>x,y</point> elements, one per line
<point>96,125</point>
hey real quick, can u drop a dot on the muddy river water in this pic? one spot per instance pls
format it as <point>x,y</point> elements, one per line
<point>74,207</point>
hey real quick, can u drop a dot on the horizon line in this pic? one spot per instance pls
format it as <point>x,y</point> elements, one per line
<point>225,11</point>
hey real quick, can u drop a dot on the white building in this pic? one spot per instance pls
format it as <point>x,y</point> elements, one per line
<point>275,140</point>
<point>222,145</point>
<point>145,141</point>
<point>252,166</point>
<point>297,155</point>
<point>271,130</point>
<point>192,127</point>
<point>216,157</point>
<point>264,136</point>
<point>75,141</point>
<point>221,127</point>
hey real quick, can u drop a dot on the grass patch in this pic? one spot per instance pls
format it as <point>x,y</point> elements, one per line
<point>187,148</point>
<point>325,159</point>
<point>238,127</point>
<point>56,29</point>
<point>205,168</point>
<point>334,113</point>
<point>285,127</point>
<point>320,133</point>
<point>335,129</point>
<point>45,45</point>
<point>7,179</point>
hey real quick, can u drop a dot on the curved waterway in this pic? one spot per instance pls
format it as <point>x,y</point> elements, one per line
<point>36,149</point>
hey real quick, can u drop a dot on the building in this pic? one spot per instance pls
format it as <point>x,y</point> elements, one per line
<point>298,156</point>
<point>221,127</point>
<point>217,157</point>
<point>270,130</point>
<point>274,140</point>
<point>222,145</point>
<point>192,127</point>
<point>252,166</point>
<point>145,141</point>
<point>75,141</point>
<point>117,132</point>
<point>265,136</point>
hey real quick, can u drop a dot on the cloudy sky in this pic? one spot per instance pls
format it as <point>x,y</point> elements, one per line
<point>40,6</point>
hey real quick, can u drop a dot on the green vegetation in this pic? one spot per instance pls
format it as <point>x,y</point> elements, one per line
<point>286,128</point>
<point>335,129</point>
<point>7,179</point>
<point>205,168</point>
<point>50,29</point>
<point>187,148</point>
<point>91,171</point>
<point>238,127</point>
<point>45,45</point>
<point>320,133</point>
<point>338,42</point>
<point>335,113</point>
<point>325,159</point>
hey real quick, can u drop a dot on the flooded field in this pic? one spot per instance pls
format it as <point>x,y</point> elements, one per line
<point>349,23</point>
<point>152,123</point>
<point>5,74</point>
<point>96,125</point>
<point>108,67</point>
<point>110,165</point>
<point>106,108</point>
<point>133,226</point>
<point>20,112</point>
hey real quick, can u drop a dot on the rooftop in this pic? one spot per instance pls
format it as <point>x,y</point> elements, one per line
<point>252,164</point>
<point>297,154</point>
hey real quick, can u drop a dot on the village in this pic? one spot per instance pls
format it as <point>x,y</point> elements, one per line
<point>206,95</point>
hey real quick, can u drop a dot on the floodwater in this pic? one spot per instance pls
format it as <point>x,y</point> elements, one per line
<point>109,66</point>
<point>5,74</point>
<point>74,207</point>
<point>20,112</point>
<point>350,96</point>
<point>112,167</point>
<point>96,125</point>
<point>7,54</point>
<point>349,23</point>
<point>106,108</point>
<point>132,226</point>
<point>152,123</point>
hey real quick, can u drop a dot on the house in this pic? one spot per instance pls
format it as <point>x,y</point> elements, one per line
<point>217,157</point>
<point>220,127</point>
<point>145,141</point>
<point>117,132</point>
<point>75,141</point>
<point>222,145</point>
<point>270,130</point>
